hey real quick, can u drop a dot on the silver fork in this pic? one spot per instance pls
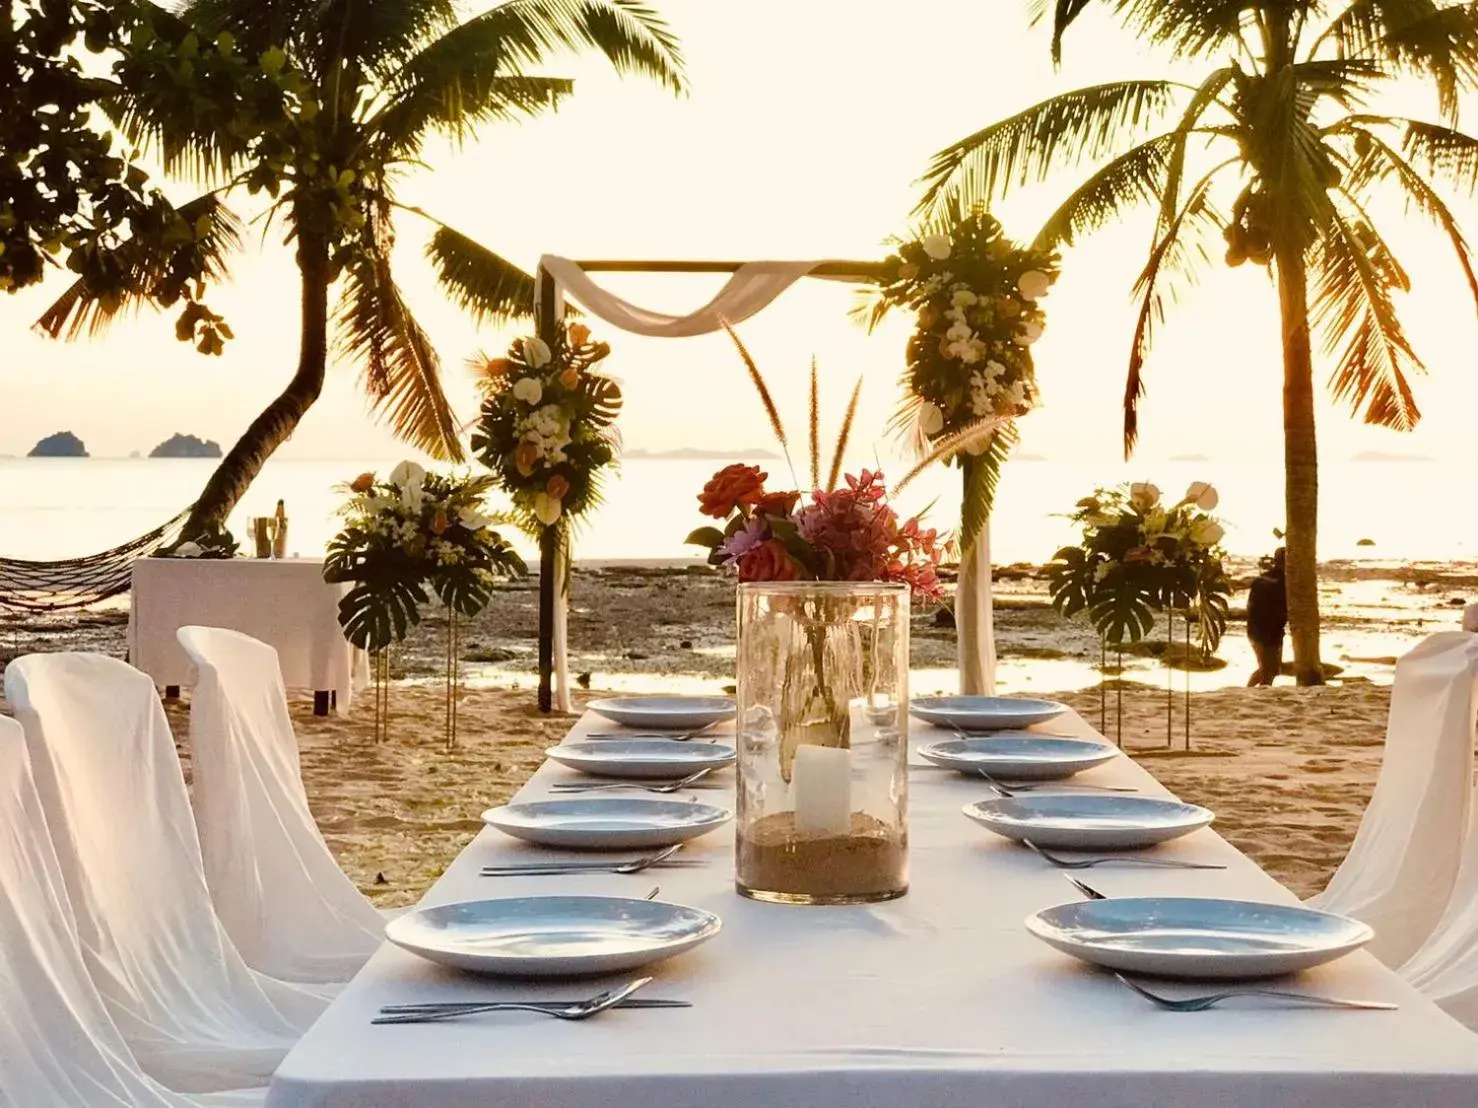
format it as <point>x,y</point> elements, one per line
<point>676,736</point>
<point>1211,1000</point>
<point>582,1010</point>
<point>1125,860</point>
<point>600,786</point>
<point>1012,790</point>
<point>535,869</point>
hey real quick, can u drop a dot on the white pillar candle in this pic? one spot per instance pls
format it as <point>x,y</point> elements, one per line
<point>822,781</point>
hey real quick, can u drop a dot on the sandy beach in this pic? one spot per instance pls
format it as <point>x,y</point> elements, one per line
<point>1288,771</point>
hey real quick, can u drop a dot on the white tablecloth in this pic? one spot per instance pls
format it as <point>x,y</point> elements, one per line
<point>283,602</point>
<point>939,999</point>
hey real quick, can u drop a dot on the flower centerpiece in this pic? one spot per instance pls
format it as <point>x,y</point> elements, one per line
<point>546,426</point>
<point>1138,556</point>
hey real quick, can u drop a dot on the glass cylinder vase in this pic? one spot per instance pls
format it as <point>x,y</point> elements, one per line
<point>823,742</point>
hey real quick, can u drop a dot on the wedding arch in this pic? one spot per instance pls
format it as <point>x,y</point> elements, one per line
<point>751,287</point>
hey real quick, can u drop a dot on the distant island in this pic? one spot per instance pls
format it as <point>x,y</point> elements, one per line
<point>689,453</point>
<point>186,446</point>
<point>63,444</point>
<point>1381,456</point>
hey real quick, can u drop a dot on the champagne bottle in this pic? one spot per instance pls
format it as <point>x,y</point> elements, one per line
<point>279,538</point>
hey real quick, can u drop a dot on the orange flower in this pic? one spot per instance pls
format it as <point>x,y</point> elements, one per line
<point>777,503</point>
<point>557,487</point>
<point>496,367</point>
<point>439,523</point>
<point>769,561</point>
<point>363,483</point>
<point>579,334</point>
<point>731,487</point>
<point>570,378</point>
<point>525,457</point>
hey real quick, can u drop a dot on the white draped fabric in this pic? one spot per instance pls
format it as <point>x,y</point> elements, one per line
<point>1402,868</point>
<point>284,901</point>
<point>196,1017</point>
<point>752,288</point>
<point>1470,618</point>
<point>59,1048</point>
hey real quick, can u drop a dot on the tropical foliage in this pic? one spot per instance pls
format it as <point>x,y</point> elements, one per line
<point>362,89</point>
<point>547,425</point>
<point>1137,557</point>
<point>408,538</point>
<point>976,296</point>
<point>1281,150</point>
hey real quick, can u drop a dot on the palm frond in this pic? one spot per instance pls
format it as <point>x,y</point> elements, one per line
<point>1206,95</point>
<point>1086,124</point>
<point>1134,178</point>
<point>455,100</point>
<point>982,477</point>
<point>844,436</point>
<point>815,422</point>
<point>758,380</point>
<point>402,372</point>
<point>1442,150</point>
<point>1415,36</point>
<point>974,434</point>
<point>1188,27</point>
<point>84,310</point>
<point>484,284</point>
<point>1355,274</point>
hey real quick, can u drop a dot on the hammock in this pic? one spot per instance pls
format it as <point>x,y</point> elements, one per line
<point>78,582</point>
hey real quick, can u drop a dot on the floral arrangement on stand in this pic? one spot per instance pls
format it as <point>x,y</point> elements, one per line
<point>546,428</point>
<point>1138,556</point>
<point>405,539</point>
<point>977,299</point>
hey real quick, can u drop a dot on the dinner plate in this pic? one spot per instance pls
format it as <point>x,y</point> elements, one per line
<point>552,936</point>
<point>664,713</point>
<point>644,758</point>
<point>1089,821</point>
<point>1019,755</point>
<point>1198,938</point>
<point>607,822</point>
<point>984,713</point>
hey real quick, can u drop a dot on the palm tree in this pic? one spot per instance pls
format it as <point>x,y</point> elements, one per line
<point>1278,150</point>
<point>364,85</point>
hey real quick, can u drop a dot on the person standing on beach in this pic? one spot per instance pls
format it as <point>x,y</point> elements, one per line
<point>1267,620</point>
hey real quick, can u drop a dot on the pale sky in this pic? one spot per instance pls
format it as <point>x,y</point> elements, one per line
<point>807,127</point>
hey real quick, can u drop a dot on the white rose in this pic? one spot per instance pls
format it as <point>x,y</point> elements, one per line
<point>407,474</point>
<point>958,332</point>
<point>1202,495</point>
<point>189,550</point>
<point>1143,496</point>
<point>528,390</point>
<point>931,419</point>
<point>536,352</point>
<point>937,247</point>
<point>1033,284</point>
<point>547,509</point>
<point>964,299</point>
<point>1030,332</point>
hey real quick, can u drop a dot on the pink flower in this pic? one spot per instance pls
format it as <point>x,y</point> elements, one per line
<point>741,542</point>
<point>769,561</point>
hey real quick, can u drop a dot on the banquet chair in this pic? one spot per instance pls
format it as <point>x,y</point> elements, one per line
<point>288,907</point>
<point>59,1048</point>
<point>104,761</point>
<point>1403,866</point>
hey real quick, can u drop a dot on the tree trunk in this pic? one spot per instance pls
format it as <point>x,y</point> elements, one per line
<point>240,467</point>
<point>1300,467</point>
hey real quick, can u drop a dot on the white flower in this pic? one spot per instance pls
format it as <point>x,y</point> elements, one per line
<point>937,247</point>
<point>1103,569</point>
<point>536,353</point>
<point>1207,532</point>
<point>1202,495</point>
<point>978,446</point>
<point>958,332</point>
<point>1143,496</point>
<point>406,474</point>
<point>973,351</point>
<point>994,369</point>
<point>931,419</point>
<point>1033,284</point>
<point>188,550</point>
<point>472,518</point>
<point>547,509</point>
<point>1030,332</point>
<point>964,299</point>
<point>529,390</point>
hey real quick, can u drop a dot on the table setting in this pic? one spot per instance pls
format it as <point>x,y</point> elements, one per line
<point>999,975</point>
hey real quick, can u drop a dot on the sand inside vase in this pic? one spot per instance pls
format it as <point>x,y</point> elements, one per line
<point>870,863</point>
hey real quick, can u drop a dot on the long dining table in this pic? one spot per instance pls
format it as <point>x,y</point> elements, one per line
<point>940,998</point>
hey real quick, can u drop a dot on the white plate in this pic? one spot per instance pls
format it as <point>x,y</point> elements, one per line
<point>664,713</point>
<point>552,936</point>
<point>645,758</point>
<point>984,713</point>
<point>1198,938</point>
<point>607,822</point>
<point>1019,755</point>
<point>1089,822</point>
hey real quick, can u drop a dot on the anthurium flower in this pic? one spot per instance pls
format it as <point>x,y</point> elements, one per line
<point>579,334</point>
<point>1033,284</point>
<point>1143,496</point>
<point>937,246</point>
<point>524,457</point>
<point>931,419</point>
<point>529,390</point>
<point>536,353</point>
<point>557,487</point>
<point>1202,495</point>
<point>547,509</point>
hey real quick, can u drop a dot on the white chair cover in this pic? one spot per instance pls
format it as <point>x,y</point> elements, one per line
<point>59,1048</point>
<point>105,766</point>
<point>282,898</point>
<point>1401,870</point>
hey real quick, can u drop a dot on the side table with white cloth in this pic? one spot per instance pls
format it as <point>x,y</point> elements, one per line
<point>282,602</point>
<point>939,998</point>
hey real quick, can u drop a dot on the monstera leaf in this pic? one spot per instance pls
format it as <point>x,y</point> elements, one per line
<point>376,614</point>
<point>605,400</point>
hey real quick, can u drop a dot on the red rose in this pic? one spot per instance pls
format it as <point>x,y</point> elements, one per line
<point>777,503</point>
<point>769,561</point>
<point>731,487</point>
